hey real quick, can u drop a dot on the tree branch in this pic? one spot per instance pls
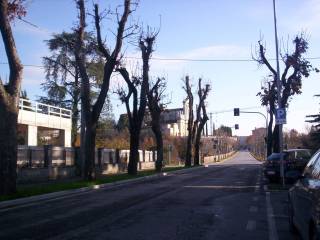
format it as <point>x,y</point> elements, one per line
<point>101,46</point>
<point>120,31</point>
<point>61,65</point>
<point>15,65</point>
<point>264,60</point>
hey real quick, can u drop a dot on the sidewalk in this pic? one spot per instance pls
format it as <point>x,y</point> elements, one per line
<point>279,206</point>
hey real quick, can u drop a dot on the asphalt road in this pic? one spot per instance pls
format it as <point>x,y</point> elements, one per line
<point>222,201</point>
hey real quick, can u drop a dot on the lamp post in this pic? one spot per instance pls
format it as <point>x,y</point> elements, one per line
<point>279,86</point>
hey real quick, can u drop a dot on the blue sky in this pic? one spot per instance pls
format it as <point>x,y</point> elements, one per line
<point>206,29</point>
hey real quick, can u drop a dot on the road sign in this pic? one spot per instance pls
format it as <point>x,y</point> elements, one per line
<point>281,116</point>
<point>236,112</point>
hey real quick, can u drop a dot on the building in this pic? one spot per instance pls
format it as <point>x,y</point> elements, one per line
<point>174,122</point>
<point>40,124</point>
<point>256,141</point>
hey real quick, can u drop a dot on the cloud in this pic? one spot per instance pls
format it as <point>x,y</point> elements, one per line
<point>306,17</point>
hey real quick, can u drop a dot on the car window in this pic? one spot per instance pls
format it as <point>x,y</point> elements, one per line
<point>316,170</point>
<point>276,156</point>
<point>303,154</point>
<point>290,156</point>
<point>310,168</point>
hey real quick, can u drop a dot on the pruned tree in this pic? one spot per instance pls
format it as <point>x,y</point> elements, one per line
<point>268,97</point>
<point>9,98</point>
<point>156,106</point>
<point>137,112</point>
<point>296,67</point>
<point>90,110</point>
<point>188,90</point>
<point>201,119</point>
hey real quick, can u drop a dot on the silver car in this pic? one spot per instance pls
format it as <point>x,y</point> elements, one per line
<point>304,201</point>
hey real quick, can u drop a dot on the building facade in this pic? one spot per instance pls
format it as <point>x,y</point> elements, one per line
<point>174,122</point>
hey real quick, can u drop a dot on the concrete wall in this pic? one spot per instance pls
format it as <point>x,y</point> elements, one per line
<point>50,162</point>
<point>217,158</point>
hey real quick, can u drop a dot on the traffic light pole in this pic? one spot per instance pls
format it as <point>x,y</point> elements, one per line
<point>265,117</point>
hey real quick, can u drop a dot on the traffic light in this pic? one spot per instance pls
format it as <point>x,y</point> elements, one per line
<point>236,126</point>
<point>236,112</point>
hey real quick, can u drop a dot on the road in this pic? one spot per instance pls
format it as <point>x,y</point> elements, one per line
<point>222,201</point>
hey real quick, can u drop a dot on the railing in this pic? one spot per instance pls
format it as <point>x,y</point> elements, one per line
<point>33,106</point>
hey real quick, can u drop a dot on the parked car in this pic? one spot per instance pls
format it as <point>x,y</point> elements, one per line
<point>304,201</point>
<point>295,161</point>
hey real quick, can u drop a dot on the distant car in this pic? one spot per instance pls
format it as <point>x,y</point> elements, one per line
<point>294,161</point>
<point>304,201</point>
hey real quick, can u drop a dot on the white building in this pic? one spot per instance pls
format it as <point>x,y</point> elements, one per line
<point>43,124</point>
<point>175,121</point>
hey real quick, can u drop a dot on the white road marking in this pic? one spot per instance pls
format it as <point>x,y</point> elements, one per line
<point>273,234</point>
<point>265,187</point>
<point>253,209</point>
<point>251,225</point>
<point>255,199</point>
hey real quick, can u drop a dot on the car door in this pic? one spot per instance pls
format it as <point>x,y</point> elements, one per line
<point>303,195</point>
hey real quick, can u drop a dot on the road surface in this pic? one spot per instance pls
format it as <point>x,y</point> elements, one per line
<point>222,201</point>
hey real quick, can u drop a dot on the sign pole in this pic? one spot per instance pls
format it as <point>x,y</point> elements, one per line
<point>279,86</point>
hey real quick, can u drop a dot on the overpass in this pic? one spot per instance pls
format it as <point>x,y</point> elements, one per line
<point>40,123</point>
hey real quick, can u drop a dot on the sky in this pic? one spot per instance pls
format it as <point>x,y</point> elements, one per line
<point>193,29</point>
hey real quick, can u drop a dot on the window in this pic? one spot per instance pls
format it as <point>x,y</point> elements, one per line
<point>303,154</point>
<point>310,168</point>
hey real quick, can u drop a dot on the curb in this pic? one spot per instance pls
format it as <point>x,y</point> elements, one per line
<point>68,193</point>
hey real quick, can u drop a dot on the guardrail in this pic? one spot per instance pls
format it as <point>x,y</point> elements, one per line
<point>33,106</point>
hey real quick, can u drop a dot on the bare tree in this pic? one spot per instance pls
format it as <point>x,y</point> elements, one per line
<point>296,68</point>
<point>136,114</point>
<point>188,90</point>
<point>268,98</point>
<point>9,99</point>
<point>90,111</point>
<point>155,96</point>
<point>201,119</point>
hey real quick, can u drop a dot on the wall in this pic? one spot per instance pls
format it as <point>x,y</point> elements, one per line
<point>217,158</point>
<point>36,164</point>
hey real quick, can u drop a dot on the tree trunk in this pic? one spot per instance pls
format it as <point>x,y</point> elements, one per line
<point>275,136</point>
<point>134,152</point>
<point>89,151</point>
<point>197,144</point>
<point>158,134</point>
<point>269,137</point>
<point>189,151</point>
<point>8,149</point>
<point>75,111</point>
<point>75,119</point>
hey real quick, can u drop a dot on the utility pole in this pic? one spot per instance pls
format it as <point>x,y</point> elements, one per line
<point>279,87</point>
